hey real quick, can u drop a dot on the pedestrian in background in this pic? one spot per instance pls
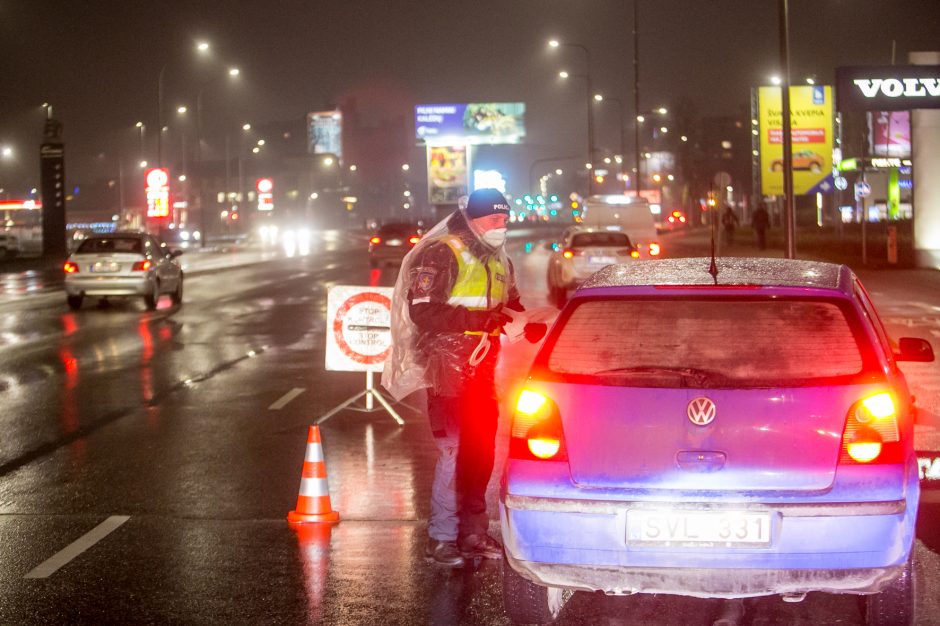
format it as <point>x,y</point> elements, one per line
<point>760,220</point>
<point>448,310</point>
<point>729,221</point>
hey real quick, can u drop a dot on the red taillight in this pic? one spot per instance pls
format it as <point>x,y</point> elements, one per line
<point>871,431</point>
<point>375,240</point>
<point>635,254</point>
<point>141,266</point>
<point>672,218</point>
<point>654,249</point>
<point>414,239</point>
<point>568,254</point>
<point>682,219</point>
<point>70,267</point>
<point>536,429</point>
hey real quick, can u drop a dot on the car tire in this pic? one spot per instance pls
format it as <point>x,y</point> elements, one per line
<point>177,296</point>
<point>528,603</point>
<point>894,606</point>
<point>151,299</point>
<point>75,302</point>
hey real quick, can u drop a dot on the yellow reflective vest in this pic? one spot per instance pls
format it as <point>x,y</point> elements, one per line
<point>479,286</point>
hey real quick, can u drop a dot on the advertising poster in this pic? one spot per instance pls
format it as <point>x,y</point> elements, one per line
<point>325,133</point>
<point>448,173</point>
<point>891,134</point>
<point>811,124</point>
<point>472,124</point>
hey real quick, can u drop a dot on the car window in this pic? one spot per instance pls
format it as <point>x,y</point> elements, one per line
<point>110,244</point>
<point>587,240</point>
<point>744,342</point>
<point>869,308</point>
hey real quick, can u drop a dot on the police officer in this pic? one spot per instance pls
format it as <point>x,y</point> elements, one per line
<point>459,285</point>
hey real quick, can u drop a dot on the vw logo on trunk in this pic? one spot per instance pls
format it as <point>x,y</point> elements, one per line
<point>701,411</point>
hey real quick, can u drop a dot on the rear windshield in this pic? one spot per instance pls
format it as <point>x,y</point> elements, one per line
<point>110,244</point>
<point>590,240</point>
<point>708,343</point>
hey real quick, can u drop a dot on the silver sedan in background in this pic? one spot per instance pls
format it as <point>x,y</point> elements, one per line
<point>120,265</point>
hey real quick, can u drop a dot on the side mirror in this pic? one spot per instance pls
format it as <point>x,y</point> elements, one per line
<point>914,349</point>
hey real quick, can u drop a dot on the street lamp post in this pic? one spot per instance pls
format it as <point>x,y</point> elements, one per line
<point>789,200</point>
<point>640,118</point>
<point>546,160</point>
<point>590,109</point>
<point>600,98</point>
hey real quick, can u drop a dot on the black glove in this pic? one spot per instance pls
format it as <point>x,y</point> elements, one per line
<point>535,331</point>
<point>487,321</point>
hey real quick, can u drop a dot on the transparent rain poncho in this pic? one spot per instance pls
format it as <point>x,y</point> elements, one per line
<point>408,369</point>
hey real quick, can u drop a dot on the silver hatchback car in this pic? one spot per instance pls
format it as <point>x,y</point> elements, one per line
<point>123,264</point>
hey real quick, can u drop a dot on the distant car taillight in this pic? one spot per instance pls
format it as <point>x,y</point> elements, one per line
<point>654,249</point>
<point>141,266</point>
<point>568,254</point>
<point>536,429</point>
<point>414,239</point>
<point>375,240</point>
<point>70,267</point>
<point>871,431</point>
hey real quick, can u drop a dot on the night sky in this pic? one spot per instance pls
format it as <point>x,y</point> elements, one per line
<point>97,62</point>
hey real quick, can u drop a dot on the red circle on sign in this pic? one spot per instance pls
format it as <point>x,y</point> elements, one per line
<point>359,298</point>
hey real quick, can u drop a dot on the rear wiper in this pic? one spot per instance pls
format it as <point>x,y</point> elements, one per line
<point>698,376</point>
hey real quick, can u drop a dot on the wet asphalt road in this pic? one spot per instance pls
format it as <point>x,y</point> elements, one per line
<point>163,432</point>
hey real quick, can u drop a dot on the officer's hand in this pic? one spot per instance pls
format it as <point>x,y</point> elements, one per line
<point>535,331</point>
<point>496,320</point>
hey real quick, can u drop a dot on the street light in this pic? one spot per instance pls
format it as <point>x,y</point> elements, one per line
<point>640,118</point>
<point>246,126</point>
<point>202,46</point>
<point>554,43</point>
<point>6,152</point>
<point>405,167</point>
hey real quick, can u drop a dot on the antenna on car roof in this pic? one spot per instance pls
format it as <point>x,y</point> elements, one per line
<point>713,209</point>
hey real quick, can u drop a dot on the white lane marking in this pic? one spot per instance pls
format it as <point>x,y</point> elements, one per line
<point>62,557</point>
<point>287,397</point>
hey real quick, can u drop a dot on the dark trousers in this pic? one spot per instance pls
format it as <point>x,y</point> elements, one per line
<point>761,237</point>
<point>475,413</point>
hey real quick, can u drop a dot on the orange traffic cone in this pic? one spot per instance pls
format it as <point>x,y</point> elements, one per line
<point>313,502</point>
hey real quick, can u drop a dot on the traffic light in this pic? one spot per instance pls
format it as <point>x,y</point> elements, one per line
<point>712,201</point>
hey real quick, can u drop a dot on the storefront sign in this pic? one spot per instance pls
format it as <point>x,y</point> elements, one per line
<point>265,188</point>
<point>888,88</point>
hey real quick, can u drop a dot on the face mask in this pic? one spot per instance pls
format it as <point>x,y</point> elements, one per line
<point>495,237</point>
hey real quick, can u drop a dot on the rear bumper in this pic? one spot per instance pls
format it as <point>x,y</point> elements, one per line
<point>705,583</point>
<point>108,285</point>
<point>842,547</point>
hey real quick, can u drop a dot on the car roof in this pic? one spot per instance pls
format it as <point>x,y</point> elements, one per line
<point>120,233</point>
<point>731,271</point>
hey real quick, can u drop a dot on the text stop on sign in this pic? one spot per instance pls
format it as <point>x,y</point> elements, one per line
<point>358,336</point>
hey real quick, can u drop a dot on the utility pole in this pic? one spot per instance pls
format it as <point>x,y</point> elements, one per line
<point>636,94</point>
<point>788,199</point>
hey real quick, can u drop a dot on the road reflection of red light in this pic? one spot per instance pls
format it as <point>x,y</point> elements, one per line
<point>146,338</point>
<point>69,324</point>
<point>374,276</point>
<point>69,401</point>
<point>314,543</point>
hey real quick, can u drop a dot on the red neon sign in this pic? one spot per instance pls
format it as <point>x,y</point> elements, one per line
<point>158,192</point>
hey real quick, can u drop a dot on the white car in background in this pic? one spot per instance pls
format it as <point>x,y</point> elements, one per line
<point>120,265</point>
<point>580,253</point>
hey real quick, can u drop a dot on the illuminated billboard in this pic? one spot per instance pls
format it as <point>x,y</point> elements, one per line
<point>157,188</point>
<point>890,134</point>
<point>265,188</point>
<point>448,173</point>
<point>811,135</point>
<point>325,133</point>
<point>471,124</point>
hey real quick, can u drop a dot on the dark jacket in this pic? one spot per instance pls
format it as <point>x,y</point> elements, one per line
<point>440,340</point>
